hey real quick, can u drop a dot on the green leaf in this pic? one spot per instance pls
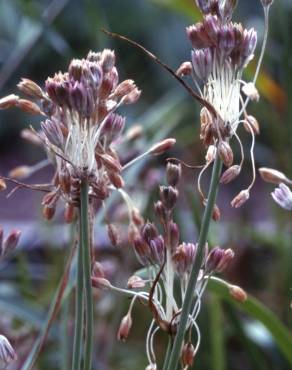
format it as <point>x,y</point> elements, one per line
<point>258,311</point>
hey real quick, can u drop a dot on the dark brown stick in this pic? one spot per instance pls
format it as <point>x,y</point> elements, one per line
<point>202,101</point>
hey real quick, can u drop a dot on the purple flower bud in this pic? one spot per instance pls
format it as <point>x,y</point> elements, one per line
<point>184,258</point>
<point>7,353</point>
<point>160,211</point>
<point>226,40</point>
<point>142,251</point>
<point>202,62</point>
<point>149,232</point>
<point>11,241</point>
<point>157,248</point>
<point>112,127</point>
<point>168,196</point>
<point>198,36</point>
<point>53,133</point>
<point>204,5</point>
<point>248,46</point>
<point>211,26</point>
<point>282,195</point>
<point>226,9</point>
<point>173,173</point>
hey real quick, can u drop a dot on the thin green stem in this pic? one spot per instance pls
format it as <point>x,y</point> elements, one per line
<point>167,355</point>
<point>79,306</point>
<point>187,304</point>
<point>86,250</point>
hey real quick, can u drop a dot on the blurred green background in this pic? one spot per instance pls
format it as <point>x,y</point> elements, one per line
<point>38,38</point>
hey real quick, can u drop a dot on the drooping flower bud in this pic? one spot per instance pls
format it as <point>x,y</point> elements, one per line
<point>225,152</point>
<point>240,198</point>
<point>184,69</point>
<point>230,174</point>
<point>135,282</point>
<point>8,101</point>
<point>251,91</point>
<point>125,327</point>
<point>251,122</point>
<point>273,176</point>
<point>188,354</point>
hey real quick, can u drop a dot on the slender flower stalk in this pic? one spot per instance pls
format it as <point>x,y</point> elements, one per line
<point>87,263</point>
<point>79,307</point>
<point>188,298</point>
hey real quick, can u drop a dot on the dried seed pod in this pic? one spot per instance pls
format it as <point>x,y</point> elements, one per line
<point>216,213</point>
<point>100,283</point>
<point>20,172</point>
<point>8,101</point>
<point>11,241</point>
<point>116,179</point>
<point>28,106</point>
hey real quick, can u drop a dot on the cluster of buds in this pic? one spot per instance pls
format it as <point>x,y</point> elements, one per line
<point>221,51</point>
<point>81,130</point>
<point>166,259</point>
<point>282,195</point>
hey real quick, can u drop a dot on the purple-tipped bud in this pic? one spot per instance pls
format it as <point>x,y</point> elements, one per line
<point>11,242</point>
<point>173,173</point>
<point>240,199</point>
<point>230,174</point>
<point>7,353</point>
<point>214,258</point>
<point>157,249</point>
<point>160,211</point>
<point>112,127</point>
<point>282,195</point>
<point>211,26</point>
<point>226,9</point>
<point>108,60</point>
<point>248,46</point>
<point>142,251</point>
<point>53,133</point>
<point>226,40</point>
<point>204,5</point>
<point>149,232</point>
<point>198,36</point>
<point>184,258</point>
<point>168,196</point>
<point>30,88</point>
<point>202,63</point>
<point>125,327</point>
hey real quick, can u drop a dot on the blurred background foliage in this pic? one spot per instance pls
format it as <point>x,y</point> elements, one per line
<point>40,37</point>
